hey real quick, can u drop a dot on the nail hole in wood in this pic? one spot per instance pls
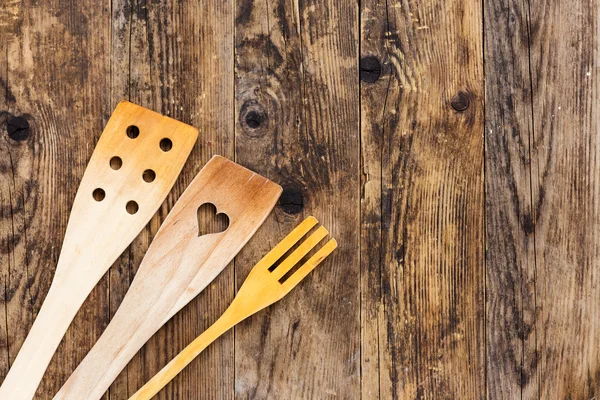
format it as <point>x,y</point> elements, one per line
<point>255,119</point>
<point>166,144</point>
<point>116,163</point>
<point>210,221</point>
<point>370,69</point>
<point>291,201</point>
<point>132,207</point>
<point>149,175</point>
<point>99,194</point>
<point>460,102</point>
<point>133,131</point>
<point>18,129</point>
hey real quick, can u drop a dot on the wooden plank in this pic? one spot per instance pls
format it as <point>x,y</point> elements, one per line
<point>373,116</point>
<point>512,336</point>
<point>177,58</point>
<point>422,280</point>
<point>562,358</point>
<point>9,31</point>
<point>297,123</point>
<point>124,26</point>
<point>55,79</point>
<point>120,275</point>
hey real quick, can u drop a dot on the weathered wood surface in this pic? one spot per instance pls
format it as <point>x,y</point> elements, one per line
<point>55,78</point>
<point>464,197</point>
<point>542,191</point>
<point>510,220</point>
<point>176,58</point>
<point>297,122</point>
<point>422,164</point>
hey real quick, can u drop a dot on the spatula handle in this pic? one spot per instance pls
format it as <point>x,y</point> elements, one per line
<point>117,345</point>
<point>43,339</point>
<point>99,368</point>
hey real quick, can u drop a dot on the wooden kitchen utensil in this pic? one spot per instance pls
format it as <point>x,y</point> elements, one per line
<point>178,265</point>
<point>266,284</point>
<point>133,168</point>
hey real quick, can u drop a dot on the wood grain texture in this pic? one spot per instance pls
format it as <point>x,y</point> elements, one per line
<point>512,335</point>
<point>422,272</point>
<point>297,122</point>
<point>55,78</point>
<point>387,163</point>
<point>543,141</point>
<point>5,216</point>
<point>9,238</point>
<point>177,58</point>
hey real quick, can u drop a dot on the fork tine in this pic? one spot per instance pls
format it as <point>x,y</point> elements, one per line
<point>290,240</point>
<point>300,252</point>
<point>308,266</point>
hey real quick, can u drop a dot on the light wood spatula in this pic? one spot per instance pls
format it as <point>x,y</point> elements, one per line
<point>178,265</point>
<point>133,168</point>
<point>267,283</point>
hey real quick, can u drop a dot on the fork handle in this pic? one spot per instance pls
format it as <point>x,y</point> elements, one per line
<point>187,355</point>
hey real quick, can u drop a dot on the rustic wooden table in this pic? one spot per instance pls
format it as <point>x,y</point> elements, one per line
<point>451,147</point>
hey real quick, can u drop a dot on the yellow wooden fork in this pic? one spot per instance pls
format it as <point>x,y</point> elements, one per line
<point>266,284</point>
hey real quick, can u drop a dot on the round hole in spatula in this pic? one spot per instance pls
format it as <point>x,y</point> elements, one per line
<point>166,144</point>
<point>149,176</point>
<point>133,131</point>
<point>99,194</point>
<point>116,163</point>
<point>132,207</point>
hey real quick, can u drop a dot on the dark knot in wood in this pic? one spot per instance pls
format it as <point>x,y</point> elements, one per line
<point>370,69</point>
<point>253,118</point>
<point>460,102</point>
<point>291,200</point>
<point>18,128</point>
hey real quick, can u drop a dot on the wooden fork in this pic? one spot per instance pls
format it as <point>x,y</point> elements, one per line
<point>266,284</point>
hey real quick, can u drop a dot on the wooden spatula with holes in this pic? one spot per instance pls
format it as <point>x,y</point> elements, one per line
<point>179,264</point>
<point>133,168</point>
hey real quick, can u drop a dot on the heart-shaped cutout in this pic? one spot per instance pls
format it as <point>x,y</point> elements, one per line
<point>210,221</point>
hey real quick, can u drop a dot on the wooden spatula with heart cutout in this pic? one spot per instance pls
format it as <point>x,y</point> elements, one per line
<point>178,265</point>
<point>133,168</point>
